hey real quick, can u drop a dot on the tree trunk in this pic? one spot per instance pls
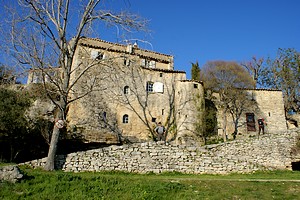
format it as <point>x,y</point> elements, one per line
<point>224,125</point>
<point>52,150</point>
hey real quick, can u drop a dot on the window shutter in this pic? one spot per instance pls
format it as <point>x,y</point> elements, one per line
<point>143,62</point>
<point>158,87</point>
<point>94,54</point>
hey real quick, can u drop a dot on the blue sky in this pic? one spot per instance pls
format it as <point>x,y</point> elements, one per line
<point>205,30</point>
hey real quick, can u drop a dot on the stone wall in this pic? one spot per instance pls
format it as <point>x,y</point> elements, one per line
<point>267,152</point>
<point>271,108</point>
<point>265,103</point>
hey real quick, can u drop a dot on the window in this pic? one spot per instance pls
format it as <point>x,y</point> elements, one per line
<point>126,62</point>
<point>143,62</point>
<point>153,119</point>
<point>148,63</point>
<point>195,86</point>
<point>126,90</point>
<point>160,74</point>
<point>100,56</point>
<point>152,64</point>
<point>125,119</point>
<point>104,116</point>
<point>96,55</point>
<point>149,86</point>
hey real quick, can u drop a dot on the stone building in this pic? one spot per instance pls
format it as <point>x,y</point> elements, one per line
<point>123,91</point>
<point>264,103</point>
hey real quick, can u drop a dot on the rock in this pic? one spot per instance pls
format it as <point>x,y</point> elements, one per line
<point>10,173</point>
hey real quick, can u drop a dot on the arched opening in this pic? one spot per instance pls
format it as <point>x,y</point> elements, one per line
<point>126,90</point>
<point>125,119</point>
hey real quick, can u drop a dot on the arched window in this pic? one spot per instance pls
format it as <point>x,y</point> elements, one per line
<point>125,119</point>
<point>126,90</point>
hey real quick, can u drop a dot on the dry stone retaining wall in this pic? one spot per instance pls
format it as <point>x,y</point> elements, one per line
<point>242,156</point>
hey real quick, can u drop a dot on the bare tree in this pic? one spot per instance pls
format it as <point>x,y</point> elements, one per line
<point>45,34</point>
<point>7,75</point>
<point>254,67</point>
<point>224,78</point>
<point>141,102</point>
<point>239,101</point>
<point>283,73</point>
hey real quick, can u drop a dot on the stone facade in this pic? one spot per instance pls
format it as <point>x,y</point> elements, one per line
<point>265,103</point>
<point>269,152</point>
<point>133,90</point>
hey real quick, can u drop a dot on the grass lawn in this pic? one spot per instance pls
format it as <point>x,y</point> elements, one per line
<point>39,184</point>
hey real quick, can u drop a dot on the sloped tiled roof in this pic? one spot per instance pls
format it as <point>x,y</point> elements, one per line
<point>163,70</point>
<point>192,81</point>
<point>109,46</point>
<point>260,89</point>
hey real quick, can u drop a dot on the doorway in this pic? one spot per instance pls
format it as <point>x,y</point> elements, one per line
<point>250,122</point>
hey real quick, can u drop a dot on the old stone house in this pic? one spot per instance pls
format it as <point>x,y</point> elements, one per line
<point>131,89</point>
<point>263,103</point>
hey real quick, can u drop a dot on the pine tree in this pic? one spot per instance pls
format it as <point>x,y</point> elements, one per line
<point>195,71</point>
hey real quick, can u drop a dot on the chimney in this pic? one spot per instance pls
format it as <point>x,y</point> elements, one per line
<point>129,48</point>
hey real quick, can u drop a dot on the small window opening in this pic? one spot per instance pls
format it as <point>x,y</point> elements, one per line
<point>125,119</point>
<point>195,85</point>
<point>100,56</point>
<point>104,116</point>
<point>126,62</point>
<point>162,111</point>
<point>153,119</point>
<point>126,90</point>
<point>269,114</point>
<point>160,74</point>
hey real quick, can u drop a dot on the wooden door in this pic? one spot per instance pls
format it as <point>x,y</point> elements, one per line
<point>250,122</point>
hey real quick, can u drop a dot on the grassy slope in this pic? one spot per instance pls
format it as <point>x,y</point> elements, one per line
<point>117,185</point>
